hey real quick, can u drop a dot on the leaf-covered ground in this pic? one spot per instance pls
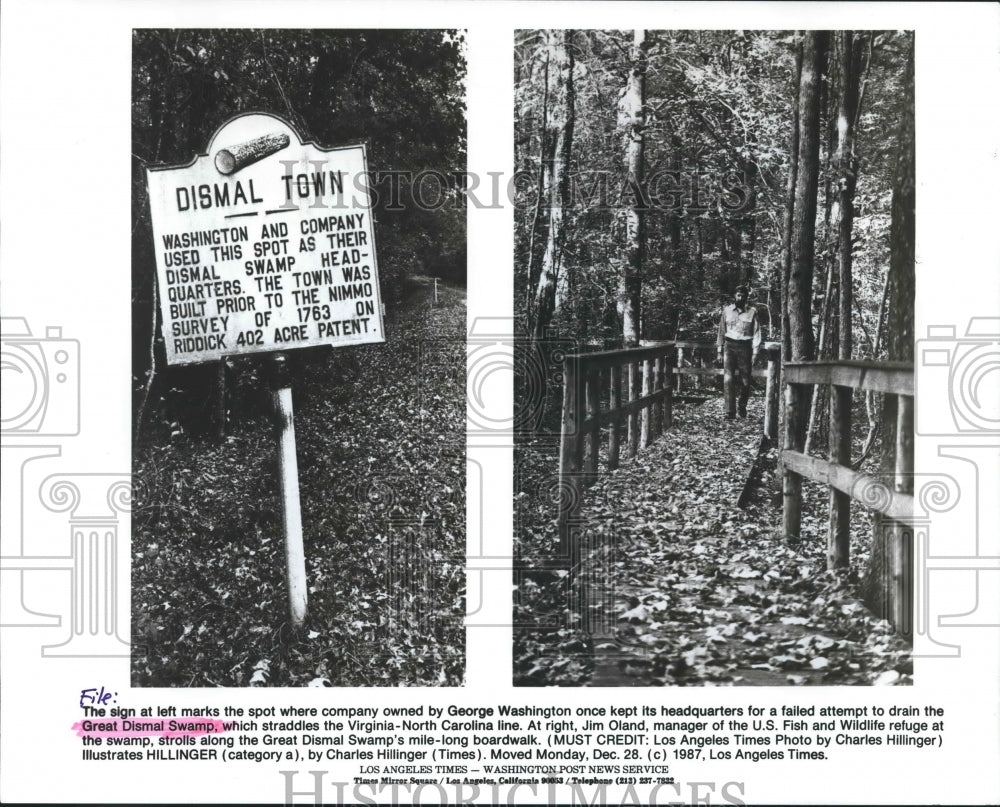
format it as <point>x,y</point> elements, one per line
<point>380,432</point>
<point>681,587</point>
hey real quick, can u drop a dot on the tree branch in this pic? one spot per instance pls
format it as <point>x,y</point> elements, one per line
<point>746,165</point>
<point>281,91</point>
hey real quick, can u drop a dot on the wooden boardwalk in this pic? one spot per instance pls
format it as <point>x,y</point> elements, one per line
<point>688,589</point>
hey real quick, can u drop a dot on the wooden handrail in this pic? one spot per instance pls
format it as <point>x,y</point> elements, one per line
<point>891,377</point>
<point>606,418</point>
<point>894,500</point>
<point>698,345</point>
<point>602,359</point>
<point>867,490</point>
<point>713,371</point>
<point>638,385</point>
<point>639,402</point>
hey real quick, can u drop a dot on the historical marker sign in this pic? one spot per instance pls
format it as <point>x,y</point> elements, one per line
<point>264,243</point>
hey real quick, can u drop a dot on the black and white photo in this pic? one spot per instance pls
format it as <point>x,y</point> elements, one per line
<point>714,272</point>
<point>298,285</point>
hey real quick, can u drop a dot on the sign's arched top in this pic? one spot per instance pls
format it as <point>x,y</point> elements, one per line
<point>246,126</point>
<point>264,243</point>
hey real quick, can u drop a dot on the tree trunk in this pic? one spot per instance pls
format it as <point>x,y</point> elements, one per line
<point>786,246</point>
<point>540,197</point>
<point>552,286</point>
<point>827,349</point>
<point>841,402</point>
<point>892,542</point>
<point>784,267</point>
<point>699,272</point>
<point>677,166</point>
<point>564,152</point>
<point>846,163</point>
<point>836,338</point>
<point>750,224</point>
<point>871,406</point>
<point>803,232</point>
<point>632,119</point>
<point>772,276</point>
<point>804,215</point>
<point>632,122</point>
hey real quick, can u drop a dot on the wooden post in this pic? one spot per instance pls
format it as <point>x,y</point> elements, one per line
<point>791,482</point>
<point>592,438</point>
<point>633,418</point>
<point>647,388</point>
<point>839,532</point>
<point>614,404</point>
<point>771,396</point>
<point>680,363</point>
<point>904,444</point>
<point>668,397</point>
<point>656,422</point>
<point>435,291</point>
<point>295,557</point>
<point>570,454</point>
<point>902,534</point>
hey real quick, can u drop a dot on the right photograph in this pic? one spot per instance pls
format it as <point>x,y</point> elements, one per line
<point>714,364</point>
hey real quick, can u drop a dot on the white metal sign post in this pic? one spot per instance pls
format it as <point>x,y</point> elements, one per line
<point>266,244</point>
<point>291,514</point>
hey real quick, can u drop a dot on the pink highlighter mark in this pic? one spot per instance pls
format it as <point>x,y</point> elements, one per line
<point>148,727</point>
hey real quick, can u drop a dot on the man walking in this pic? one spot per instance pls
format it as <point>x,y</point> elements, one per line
<point>739,334</point>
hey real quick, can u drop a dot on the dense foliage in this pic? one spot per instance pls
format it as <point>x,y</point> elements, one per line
<point>718,110</point>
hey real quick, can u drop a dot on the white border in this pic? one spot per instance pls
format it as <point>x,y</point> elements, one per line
<point>65,71</point>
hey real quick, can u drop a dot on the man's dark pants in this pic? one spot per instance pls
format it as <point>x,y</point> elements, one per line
<point>736,373</point>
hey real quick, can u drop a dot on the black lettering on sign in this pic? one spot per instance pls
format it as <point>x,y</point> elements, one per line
<point>202,197</point>
<point>290,333</point>
<point>254,337</point>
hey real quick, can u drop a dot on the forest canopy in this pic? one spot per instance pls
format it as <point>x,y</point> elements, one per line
<point>692,129</point>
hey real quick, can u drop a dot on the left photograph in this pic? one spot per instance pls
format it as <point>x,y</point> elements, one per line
<point>298,357</point>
